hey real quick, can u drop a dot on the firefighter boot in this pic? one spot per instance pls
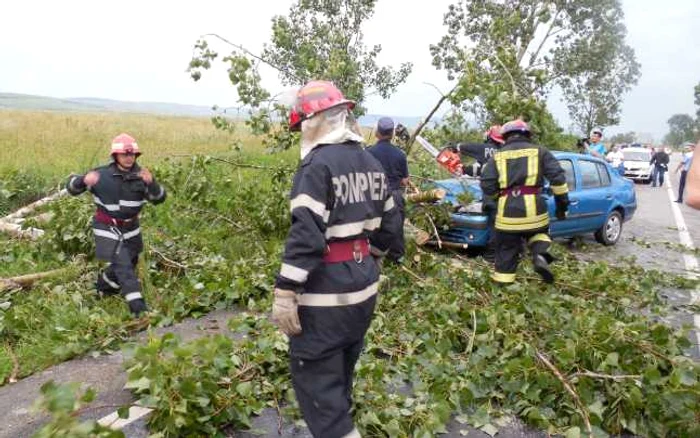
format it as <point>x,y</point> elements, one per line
<point>137,307</point>
<point>539,261</point>
<point>106,283</point>
<point>489,254</point>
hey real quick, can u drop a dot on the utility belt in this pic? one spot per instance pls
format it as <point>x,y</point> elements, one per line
<point>346,250</point>
<point>521,190</point>
<point>102,217</point>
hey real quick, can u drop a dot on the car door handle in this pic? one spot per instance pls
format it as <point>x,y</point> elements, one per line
<point>573,202</point>
<point>609,197</point>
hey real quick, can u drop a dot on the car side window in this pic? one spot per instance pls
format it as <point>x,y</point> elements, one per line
<point>568,167</point>
<point>590,178</point>
<point>604,174</point>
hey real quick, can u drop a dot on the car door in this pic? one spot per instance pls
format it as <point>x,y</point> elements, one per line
<point>557,227</point>
<point>590,203</point>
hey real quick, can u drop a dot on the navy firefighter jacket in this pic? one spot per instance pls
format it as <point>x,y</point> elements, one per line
<point>120,195</point>
<point>340,193</point>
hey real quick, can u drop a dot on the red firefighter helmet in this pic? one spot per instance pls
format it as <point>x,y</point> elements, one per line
<point>494,133</point>
<point>515,127</point>
<point>124,144</point>
<point>314,97</point>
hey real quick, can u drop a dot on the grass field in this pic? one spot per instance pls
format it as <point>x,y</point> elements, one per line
<point>56,144</point>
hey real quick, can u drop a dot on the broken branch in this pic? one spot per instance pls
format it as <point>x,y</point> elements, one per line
<point>582,409</point>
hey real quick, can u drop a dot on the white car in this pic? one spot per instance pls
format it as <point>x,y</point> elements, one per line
<point>637,167</point>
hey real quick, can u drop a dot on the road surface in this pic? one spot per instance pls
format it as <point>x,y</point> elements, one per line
<point>658,221</point>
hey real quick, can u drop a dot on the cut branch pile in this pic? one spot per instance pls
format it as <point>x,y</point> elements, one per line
<point>12,223</point>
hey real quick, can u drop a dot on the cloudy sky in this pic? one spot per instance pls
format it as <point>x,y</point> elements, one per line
<point>138,50</point>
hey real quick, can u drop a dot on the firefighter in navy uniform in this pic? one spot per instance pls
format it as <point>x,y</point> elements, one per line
<point>395,165</point>
<point>119,189</point>
<point>512,184</point>
<point>481,153</point>
<point>343,218</point>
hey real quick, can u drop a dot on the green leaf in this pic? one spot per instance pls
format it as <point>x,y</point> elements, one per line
<point>597,409</point>
<point>141,384</point>
<point>612,359</point>
<point>573,432</point>
<point>123,412</point>
<point>244,388</point>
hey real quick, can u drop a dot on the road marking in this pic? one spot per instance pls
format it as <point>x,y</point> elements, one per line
<point>114,422</point>
<point>691,263</point>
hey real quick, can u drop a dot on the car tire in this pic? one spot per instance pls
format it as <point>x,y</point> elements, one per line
<point>611,230</point>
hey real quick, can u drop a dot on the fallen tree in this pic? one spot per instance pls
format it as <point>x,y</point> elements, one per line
<point>12,223</point>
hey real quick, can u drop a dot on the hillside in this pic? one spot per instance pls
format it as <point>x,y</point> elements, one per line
<point>93,104</point>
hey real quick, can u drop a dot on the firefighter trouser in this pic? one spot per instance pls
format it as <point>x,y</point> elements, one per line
<point>323,388</point>
<point>508,248</point>
<point>398,246</point>
<point>120,276</point>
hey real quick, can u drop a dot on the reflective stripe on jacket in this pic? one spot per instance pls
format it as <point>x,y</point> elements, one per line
<point>340,192</point>
<point>120,195</point>
<point>521,164</point>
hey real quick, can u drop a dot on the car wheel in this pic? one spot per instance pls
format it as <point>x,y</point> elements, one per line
<point>611,230</point>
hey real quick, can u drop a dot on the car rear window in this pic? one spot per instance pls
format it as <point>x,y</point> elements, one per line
<point>603,174</point>
<point>590,176</point>
<point>637,156</point>
<point>568,167</point>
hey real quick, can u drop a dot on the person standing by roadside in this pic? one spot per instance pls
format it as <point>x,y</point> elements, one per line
<point>684,167</point>
<point>596,146</point>
<point>344,219</point>
<point>617,160</point>
<point>395,165</point>
<point>659,161</point>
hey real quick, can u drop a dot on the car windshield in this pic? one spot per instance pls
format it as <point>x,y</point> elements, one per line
<point>636,156</point>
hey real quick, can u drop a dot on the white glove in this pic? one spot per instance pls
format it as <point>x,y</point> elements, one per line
<point>285,312</point>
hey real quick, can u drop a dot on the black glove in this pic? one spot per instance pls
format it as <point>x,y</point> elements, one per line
<point>488,206</point>
<point>402,133</point>
<point>562,206</point>
<point>451,147</point>
<point>137,307</point>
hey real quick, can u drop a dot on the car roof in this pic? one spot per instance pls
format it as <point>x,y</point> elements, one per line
<point>566,154</point>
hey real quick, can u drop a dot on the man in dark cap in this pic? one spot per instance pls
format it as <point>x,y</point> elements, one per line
<point>395,165</point>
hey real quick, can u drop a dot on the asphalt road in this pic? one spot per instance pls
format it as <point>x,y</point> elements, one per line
<point>655,224</point>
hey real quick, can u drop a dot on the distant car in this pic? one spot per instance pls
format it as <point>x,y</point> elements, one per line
<point>637,167</point>
<point>601,201</point>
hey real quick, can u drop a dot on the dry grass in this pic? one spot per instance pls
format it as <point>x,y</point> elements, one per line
<point>57,143</point>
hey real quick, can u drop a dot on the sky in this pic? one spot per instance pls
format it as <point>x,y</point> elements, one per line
<point>139,50</point>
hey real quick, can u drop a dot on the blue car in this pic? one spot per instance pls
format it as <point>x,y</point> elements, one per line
<point>601,201</point>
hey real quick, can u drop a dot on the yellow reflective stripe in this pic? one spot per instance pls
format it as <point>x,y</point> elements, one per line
<point>539,237</point>
<point>501,205</point>
<point>523,225</point>
<point>533,167</point>
<point>560,189</point>
<point>502,168</point>
<point>517,153</point>
<point>502,277</point>
<point>521,220</point>
<point>530,205</point>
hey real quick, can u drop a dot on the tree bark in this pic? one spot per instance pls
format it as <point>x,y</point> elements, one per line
<point>24,281</point>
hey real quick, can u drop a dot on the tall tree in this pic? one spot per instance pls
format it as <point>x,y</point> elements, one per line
<point>594,97</point>
<point>508,54</point>
<point>627,137</point>
<point>318,39</point>
<point>681,129</point>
